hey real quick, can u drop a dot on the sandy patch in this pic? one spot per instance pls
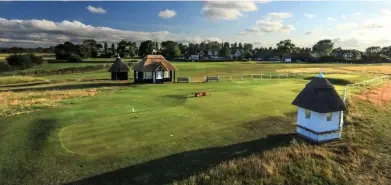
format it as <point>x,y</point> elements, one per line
<point>378,96</point>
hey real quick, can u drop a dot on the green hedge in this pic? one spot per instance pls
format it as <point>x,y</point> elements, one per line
<point>44,72</point>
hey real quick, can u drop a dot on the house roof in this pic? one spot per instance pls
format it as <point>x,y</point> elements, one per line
<point>119,66</point>
<point>151,62</point>
<point>319,95</point>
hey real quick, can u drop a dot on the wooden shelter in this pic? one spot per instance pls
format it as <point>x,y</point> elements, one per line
<point>320,116</point>
<point>154,69</point>
<point>119,70</point>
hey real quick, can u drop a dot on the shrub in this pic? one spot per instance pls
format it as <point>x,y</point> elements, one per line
<point>4,67</point>
<point>36,59</point>
<point>75,58</point>
<point>22,61</point>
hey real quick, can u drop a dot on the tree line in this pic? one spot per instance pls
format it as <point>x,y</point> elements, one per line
<point>171,49</point>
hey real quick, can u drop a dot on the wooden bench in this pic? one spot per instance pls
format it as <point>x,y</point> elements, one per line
<point>183,79</point>
<point>211,78</point>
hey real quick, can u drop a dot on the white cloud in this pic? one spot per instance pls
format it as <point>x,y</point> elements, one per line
<point>346,26</point>
<point>330,18</point>
<point>343,17</point>
<point>32,33</point>
<point>386,12</point>
<point>348,43</point>
<point>166,14</point>
<point>357,13</point>
<point>279,15</point>
<point>311,16</point>
<point>273,26</point>
<point>227,10</point>
<point>97,10</point>
<point>271,23</point>
<point>308,33</point>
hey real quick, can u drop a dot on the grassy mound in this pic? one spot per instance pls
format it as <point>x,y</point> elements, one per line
<point>362,157</point>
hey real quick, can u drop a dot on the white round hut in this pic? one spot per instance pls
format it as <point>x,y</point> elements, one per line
<point>319,115</point>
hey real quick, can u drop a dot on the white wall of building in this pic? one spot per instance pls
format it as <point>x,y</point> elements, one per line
<point>318,121</point>
<point>319,138</point>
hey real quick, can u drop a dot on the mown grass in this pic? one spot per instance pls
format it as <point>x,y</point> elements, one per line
<point>362,157</point>
<point>101,140</point>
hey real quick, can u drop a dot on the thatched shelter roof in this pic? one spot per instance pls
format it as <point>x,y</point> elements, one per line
<point>151,62</point>
<point>119,66</point>
<point>319,95</point>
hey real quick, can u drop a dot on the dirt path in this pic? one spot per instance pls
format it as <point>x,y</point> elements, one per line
<point>378,95</point>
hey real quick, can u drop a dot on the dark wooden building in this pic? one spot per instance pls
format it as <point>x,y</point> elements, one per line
<point>119,70</point>
<point>154,69</point>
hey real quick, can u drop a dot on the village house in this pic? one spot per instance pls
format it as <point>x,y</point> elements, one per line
<point>154,69</point>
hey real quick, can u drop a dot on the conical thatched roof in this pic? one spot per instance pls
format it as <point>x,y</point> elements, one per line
<point>151,62</point>
<point>119,66</point>
<point>319,95</point>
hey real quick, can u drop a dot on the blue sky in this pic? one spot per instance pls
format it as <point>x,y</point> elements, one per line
<point>350,24</point>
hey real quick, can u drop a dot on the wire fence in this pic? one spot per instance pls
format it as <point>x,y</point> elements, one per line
<point>366,83</point>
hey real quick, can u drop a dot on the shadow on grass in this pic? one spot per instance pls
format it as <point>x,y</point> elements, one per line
<point>73,86</point>
<point>24,84</point>
<point>334,81</point>
<point>39,132</point>
<point>182,165</point>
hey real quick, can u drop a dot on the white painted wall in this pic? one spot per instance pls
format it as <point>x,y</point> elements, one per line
<point>318,121</point>
<point>319,138</point>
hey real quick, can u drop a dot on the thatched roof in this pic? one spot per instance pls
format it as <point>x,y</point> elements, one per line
<point>118,66</point>
<point>151,62</point>
<point>319,95</point>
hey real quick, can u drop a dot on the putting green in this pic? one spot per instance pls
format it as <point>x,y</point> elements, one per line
<point>171,114</point>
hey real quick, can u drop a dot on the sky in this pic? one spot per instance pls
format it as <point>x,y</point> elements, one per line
<point>350,24</point>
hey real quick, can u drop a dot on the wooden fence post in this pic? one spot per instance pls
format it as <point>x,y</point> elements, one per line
<point>261,76</point>
<point>270,76</point>
<point>189,79</point>
<point>241,77</point>
<point>230,77</point>
<point>278,76</point>
<point>204,78</point>
<point>252,76</point>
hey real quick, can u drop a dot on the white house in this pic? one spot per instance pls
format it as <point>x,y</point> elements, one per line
<point>236,54</point>
<point>319,115</point>
<point>213,53</point>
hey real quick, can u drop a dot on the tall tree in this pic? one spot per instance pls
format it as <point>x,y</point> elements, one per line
<point>240,45</point>
<point>113,48</point>
<point>105,47</point>
<point>122,48</point>
<point>323,47</point>
<point>146,48</point>
<point>285,46</point>
<point>373,50</point>
<point>248,47</point>
<point>225,52</point>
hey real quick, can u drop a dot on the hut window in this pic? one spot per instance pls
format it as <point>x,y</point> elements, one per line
<point>166,74</point>
<point>136,75</point>
<point>307,113</point>
<point>329,116</point>
<point>147,75</point>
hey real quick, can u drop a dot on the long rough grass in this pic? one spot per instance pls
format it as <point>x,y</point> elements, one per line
<point>363,157</point>
<point>13,103</point>
<point>20,79</point>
